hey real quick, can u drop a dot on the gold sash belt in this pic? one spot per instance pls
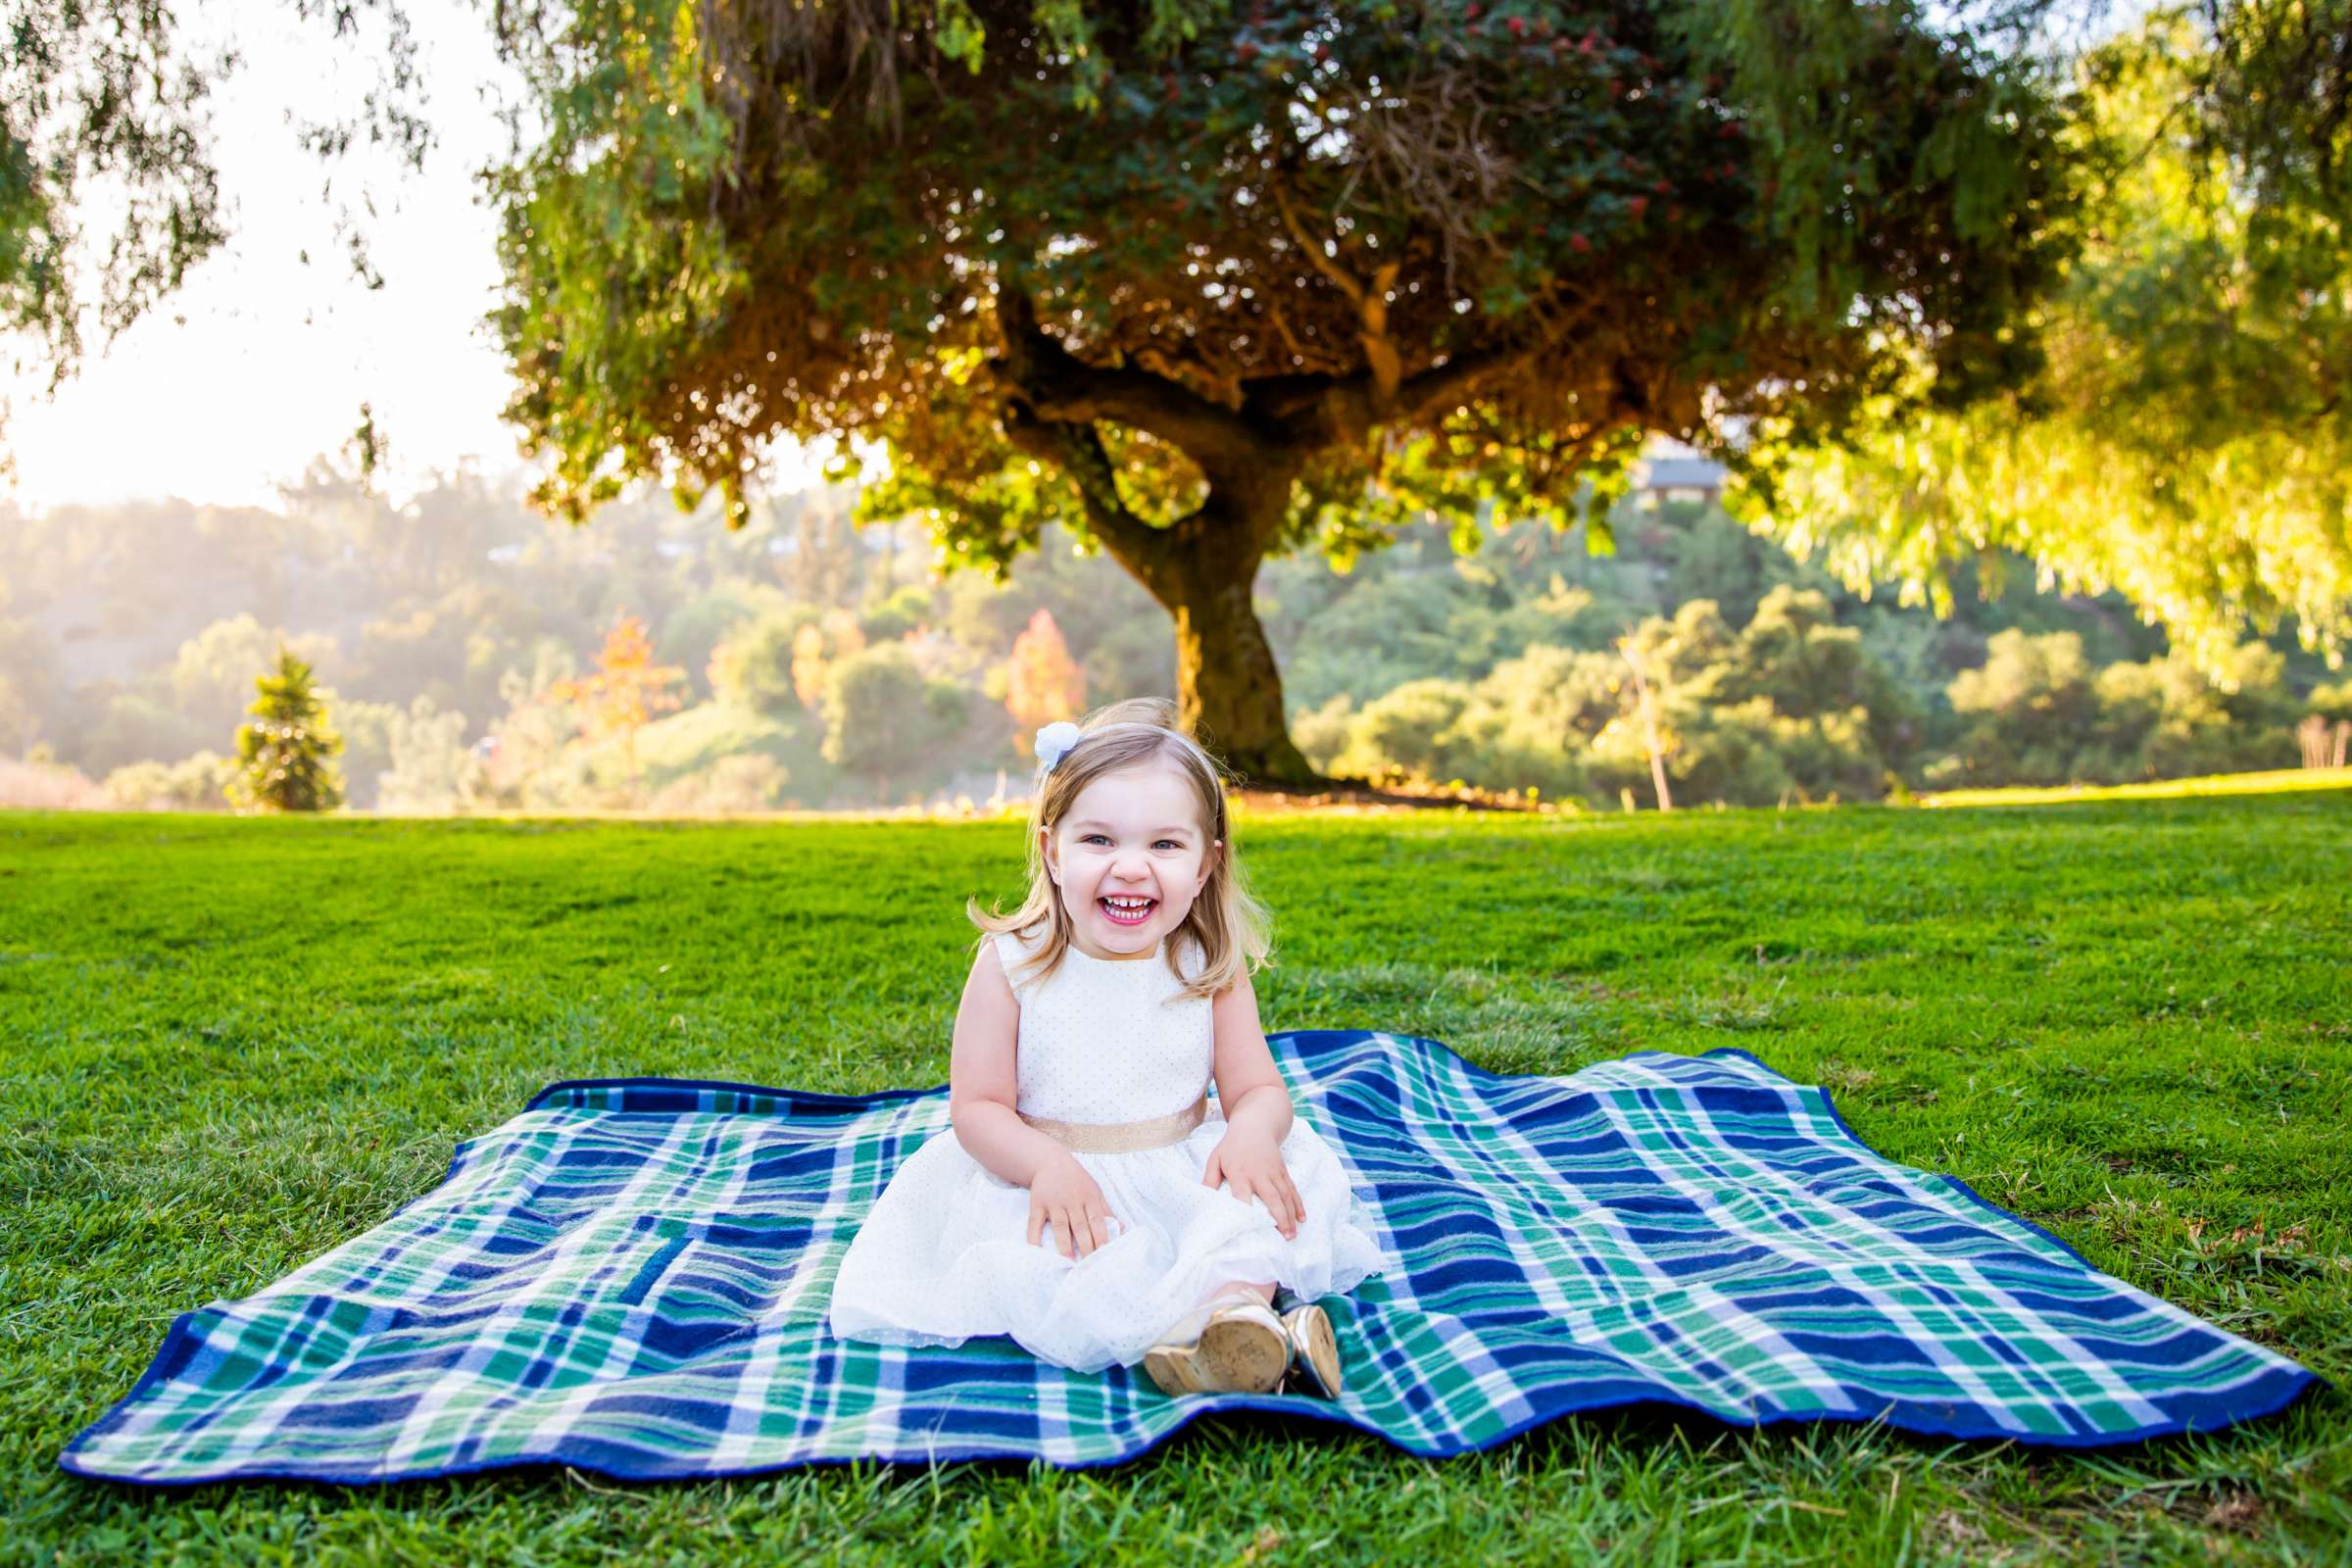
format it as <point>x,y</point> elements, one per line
<point>1123,1136</point>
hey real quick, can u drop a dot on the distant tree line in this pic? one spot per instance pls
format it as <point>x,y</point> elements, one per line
<point>1524,667</point>
<point>474,657</point>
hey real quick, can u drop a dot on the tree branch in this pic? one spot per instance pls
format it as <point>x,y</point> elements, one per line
<point>1371,302</point>
<point>1058,387</point>
<point>1322,411</point>
<point>1076,448</point>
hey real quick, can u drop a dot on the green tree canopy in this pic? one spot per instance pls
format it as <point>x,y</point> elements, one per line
<point>2186,438</point>
<point>754,665</point>
<point>1208,283</point>
<point>883,715</point>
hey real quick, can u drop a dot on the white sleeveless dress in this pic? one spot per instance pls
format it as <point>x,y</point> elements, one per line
<point>945,1253</point>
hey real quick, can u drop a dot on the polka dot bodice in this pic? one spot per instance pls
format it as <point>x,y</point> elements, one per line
<point>1108,1040</point>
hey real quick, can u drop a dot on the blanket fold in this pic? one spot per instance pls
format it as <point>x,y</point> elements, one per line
<point>630,1277</point>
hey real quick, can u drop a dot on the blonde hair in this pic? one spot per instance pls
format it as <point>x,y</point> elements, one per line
<point>1227,926</point>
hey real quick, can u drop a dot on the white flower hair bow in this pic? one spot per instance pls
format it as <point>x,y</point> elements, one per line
<point>1054,742</point>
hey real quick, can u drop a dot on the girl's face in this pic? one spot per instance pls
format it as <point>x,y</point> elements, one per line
<point>1129,856</point>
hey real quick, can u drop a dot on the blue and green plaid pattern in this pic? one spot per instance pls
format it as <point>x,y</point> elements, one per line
<point>631,1277</point>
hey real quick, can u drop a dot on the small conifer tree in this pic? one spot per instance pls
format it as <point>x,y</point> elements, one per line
<point>286,756</point>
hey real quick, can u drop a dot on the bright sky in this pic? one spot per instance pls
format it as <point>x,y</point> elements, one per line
<point>272,357</point>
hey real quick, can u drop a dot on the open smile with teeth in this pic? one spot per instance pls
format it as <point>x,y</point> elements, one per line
<point>1120,908</point>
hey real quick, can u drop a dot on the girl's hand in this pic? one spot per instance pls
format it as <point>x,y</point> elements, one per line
<point>1252,1165</point>
<point>1065,1196</point>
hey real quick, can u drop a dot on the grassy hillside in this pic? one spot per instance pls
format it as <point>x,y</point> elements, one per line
<point>693,740</point>
<point>230,1045</point>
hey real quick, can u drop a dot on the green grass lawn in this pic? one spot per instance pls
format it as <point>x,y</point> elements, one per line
<point>230,1045</point>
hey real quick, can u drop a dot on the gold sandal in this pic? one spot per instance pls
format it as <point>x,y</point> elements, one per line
<point>1236,1345</point>
<point>1316,1350</point>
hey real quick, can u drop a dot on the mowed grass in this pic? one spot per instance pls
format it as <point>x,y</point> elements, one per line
<point>230,1045</point>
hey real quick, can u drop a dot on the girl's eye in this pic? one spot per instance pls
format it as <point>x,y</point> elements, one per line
<point>1167,843</point>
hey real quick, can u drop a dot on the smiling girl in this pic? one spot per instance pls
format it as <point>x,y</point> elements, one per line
<point>1088,1200</point>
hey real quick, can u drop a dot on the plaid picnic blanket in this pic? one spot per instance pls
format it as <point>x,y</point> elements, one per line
<point>631,1276</point>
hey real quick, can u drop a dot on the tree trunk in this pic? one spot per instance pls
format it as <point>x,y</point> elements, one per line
<point>1650,728</point>
<point>1202,567</point>
<point>1228,687</point>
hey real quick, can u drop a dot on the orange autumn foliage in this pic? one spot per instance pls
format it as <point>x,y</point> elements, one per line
<point>1043,683</point>
<point>624,690</point>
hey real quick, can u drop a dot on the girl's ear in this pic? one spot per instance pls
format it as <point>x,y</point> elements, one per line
<point>1045,844</point>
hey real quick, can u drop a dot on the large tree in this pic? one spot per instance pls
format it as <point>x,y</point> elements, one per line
<point>1207,283</point>
<point>1211,282</point>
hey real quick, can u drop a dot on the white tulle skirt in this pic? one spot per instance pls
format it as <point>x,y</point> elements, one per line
<point>945,1254</point>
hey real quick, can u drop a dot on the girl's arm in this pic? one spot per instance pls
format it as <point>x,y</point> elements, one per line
<point>983,1086</point>
<point>1250,1087</point>
<point>1257,1112</point>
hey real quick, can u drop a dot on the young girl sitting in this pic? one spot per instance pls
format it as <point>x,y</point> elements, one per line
<point>1085,1200</point>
